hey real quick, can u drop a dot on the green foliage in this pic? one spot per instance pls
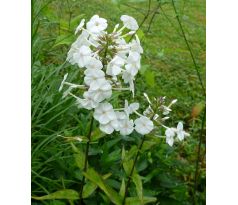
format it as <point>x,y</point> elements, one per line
<point>92,175</point>
<point>162,175</point>
<point>62,194</point>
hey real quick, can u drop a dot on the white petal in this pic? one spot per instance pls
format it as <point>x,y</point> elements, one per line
<point>108,129</point>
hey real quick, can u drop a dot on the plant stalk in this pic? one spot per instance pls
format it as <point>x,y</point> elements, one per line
<point>204,93</point>
<point>198,157</point>
<point>86,159</point>
<point>189,48</point>
<point>132,170</point>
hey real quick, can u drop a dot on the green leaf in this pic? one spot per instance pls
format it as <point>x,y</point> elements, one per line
<point>123,187</point>
<point>127,165</point>
<point>139,188</point>
<point>147,145</point>
<point>136,201</point>
<point>93,176</point>
<point>127,160</point>
<point>64,39</point>
<point>79,156</point>
<point>97,134</point>
<point>140,34</point>
<point>62,194</point>
<point>90,187</point>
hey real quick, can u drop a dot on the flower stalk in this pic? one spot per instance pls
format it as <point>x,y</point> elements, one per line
<point>86,159</point>
<point>132,170</point>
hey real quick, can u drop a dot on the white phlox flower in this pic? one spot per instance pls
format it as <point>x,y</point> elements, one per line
<point>180,132</point>
<point>115,66</point>
<point>94,64</point>
<point>93,76</point>
<point>129,109</point>
<point>100,90</point>
<point>107,118</point>
<point>82,56</point>
<point>76,46</point>
<point>143,125</point>
<point>104,113</point>
<point>129,22</point>
<point>96,24</point>
<point>88,102</point>
<point>80,26</point>
<point>126,127</point>
<point>135,45</point>
<point>170,134</point>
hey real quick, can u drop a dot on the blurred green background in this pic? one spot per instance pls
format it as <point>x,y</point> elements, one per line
<point>167,70</point>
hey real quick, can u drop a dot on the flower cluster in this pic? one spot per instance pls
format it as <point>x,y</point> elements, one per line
<point>159,113</point>
<point>110,62</point>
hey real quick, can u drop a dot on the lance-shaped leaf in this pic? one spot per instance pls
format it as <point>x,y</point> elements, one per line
<point>62,194</point>
<point>139,187</point>
<point>90,187</point>
<point>122,189</point>
<point>93,176</point>
<point>136,200</point>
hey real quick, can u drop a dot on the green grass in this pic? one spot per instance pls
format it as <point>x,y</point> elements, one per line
<point>169,71</point>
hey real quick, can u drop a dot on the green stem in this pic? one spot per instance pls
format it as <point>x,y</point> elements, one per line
<point>144,19</point>
<point>204,114</point>
<point>189,48</point>
<point>198,157</point>
<point>86,159</point>
<point>132,170</point>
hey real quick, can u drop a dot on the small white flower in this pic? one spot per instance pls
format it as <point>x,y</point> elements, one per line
<point>104,113</point>
<point>88,101</point>
<point>126,127</point>
<point>129,22</point>
<point>114,67</point>
<point>96,24</point>
<point>121,116</point>
<point>76,46</point>
<point>109,127</point>
<point>180,132</point>
<point>135,45</point>
<point>129,78</point>
<point>143,125</point>
<point>80,26</point>
<point>94,64</point>
<point>93,76</point>
<point>83,56</point>
<point>129,109</point>
<point>132,69</point>
<point>100,90</point>
<point>134,58</point>
<point>170,133</point>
